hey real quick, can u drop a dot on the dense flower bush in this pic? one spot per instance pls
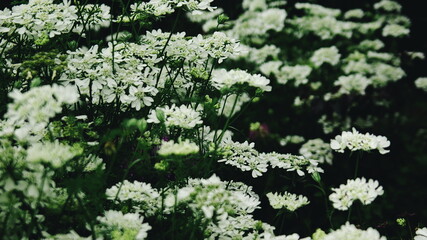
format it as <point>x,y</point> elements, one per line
<point>118,121</point>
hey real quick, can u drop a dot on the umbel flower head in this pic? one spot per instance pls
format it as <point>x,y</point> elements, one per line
<point>175,116</point>
<point>421,234</point>
<point>350,232</point>
<point>355,141</point>
<point>355,189</point>
<point>287,200</point>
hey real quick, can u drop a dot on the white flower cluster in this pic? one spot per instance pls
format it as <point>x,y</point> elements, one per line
<point>421,234</point>
<point>354,13</point>
<point>314,9</point>
<point>54,153</point>
<point>329,55</point>
<point>385,73</point>
<point>127,224</point>
<point>142,195</point>
<point>352,83</point>
<point>212,197</point>
<point>318,150</point>
<point>29,113</point>
<point>244,156</point>
<point>228,204</point>
<point>223,79</point>
<point>175,116</point>
<point>292,163</point>
<point>164,7</point>
<point>321,22</point>
<point>355,189</point>
<point>41,20</point>
<point>257,55</point>
<point>67,236</point>
<point>181,148</point>
<point>287,200</point>
<point>389,6</point>
<point>100,79</point>
<point>218,46</point>
<point>355,141</point>
<point>294,236</point>
<point>298,73</point>
<point>421,83</point>
<point>395,30</point>
<point>350,232</point>
<point>368,69</point>
<point>256,24</point>
<point>242,227</point>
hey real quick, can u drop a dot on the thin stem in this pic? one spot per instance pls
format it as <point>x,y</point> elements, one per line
<point>356,169</point>
<point>349,213</point>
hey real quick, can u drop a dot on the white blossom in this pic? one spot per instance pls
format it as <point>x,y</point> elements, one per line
<point>421,234</point>
<point>421,83</point>
<point>287,200</point>
<point>115,220</point>
<point>243,156</point>
<point>355,83</point>
<point>222,78</point>
<point>355,189</point>
<point>329,55</point>
<point>318,150</point>
<point>181,148</point>
<point>355,141</point>
<point>175,116</point>
<point>350,232</point>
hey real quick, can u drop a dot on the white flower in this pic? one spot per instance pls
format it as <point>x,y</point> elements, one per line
<point>271,67</point>
<point>222,78</point>
<point>142,194</point>
<point>131,81</point>
<point>354,13</point>
<point>318,10</point>
<point>218,46</point>
<point>421,234</point>
<point>253,5</point>
<point>385,73</point>
<point>355,189</point>
<point>182,148</point>
<point>287,200</point>
<point>350,232</point>
<point>257,24</point>
<point>257,55</point>
<point>355,141</point>
<point>352,83</point>
<point>138,96</point>
<point>325,55</point>
<point>29,113</point>
<point>395,30</point>
<point>290,237</point>
<point>372,44</point>
<point>298,73</point>
<point>115,220</point>
<point>243,156</point>
<point>174,116</point>
<point>54,153</point>
<point>389,6</point>
<point>318,150</point>
<point>292,163</point>
<point>421,83</point>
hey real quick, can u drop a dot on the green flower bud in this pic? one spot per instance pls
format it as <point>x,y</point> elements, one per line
<point>319,234</point>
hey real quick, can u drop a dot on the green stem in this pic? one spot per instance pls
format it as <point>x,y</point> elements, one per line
<point>349,213</point>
